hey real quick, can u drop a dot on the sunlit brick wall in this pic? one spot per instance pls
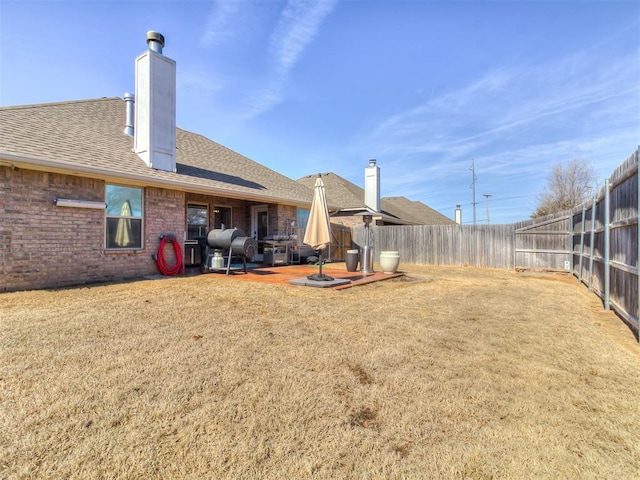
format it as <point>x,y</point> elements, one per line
<point>43,246</point>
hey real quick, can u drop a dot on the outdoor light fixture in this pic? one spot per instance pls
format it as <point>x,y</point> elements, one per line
<point>65,202</point>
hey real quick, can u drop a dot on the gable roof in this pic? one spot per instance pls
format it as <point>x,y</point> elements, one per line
<point>340,192</point>
<point>86,138</point>
<point>414,211</point>
<point>348,196</point>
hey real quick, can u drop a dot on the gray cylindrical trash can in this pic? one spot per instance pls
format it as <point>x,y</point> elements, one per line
<point>366,260</point>
<point>352,260</point>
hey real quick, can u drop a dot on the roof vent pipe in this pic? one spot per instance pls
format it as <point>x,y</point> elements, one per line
<point>155,41</point>
<point>129,100</point>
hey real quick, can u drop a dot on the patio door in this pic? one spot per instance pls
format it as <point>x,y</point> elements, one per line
<point>260,228</point>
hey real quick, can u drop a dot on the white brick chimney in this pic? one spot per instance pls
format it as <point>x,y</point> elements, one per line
<point>372,186</point>
<point>155,106</point>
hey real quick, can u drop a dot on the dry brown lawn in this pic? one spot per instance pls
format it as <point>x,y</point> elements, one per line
<point>449,373</point>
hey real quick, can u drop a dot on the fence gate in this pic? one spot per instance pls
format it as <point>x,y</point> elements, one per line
<point>340,242</point>
<point>544,244</point>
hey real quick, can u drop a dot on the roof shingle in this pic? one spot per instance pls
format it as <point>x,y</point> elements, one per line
<point>87,136</point>
<point>347,196</point>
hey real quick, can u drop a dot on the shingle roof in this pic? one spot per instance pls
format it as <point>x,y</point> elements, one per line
<point>340,192</point>
<point>414,211</point>
<point>86,137</point>
<point>348,196</point>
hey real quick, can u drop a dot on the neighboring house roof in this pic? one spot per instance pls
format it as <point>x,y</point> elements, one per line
<point>415,211</point>
<point>86,138</point>
<point>348,196</point>
<point>340,192</point>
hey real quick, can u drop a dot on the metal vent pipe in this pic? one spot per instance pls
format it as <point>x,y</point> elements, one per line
<point>155,41</point>
<point>129,103</point>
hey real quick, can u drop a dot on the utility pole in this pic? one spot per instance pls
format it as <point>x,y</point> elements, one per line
<point>487,195</point>
<point>473,186</point>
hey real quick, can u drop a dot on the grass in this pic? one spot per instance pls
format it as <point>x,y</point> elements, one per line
<point>447,373</point>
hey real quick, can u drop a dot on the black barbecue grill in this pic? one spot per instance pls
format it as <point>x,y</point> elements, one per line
<point>224,244</point>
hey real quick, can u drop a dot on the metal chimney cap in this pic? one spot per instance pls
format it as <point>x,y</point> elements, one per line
<point>372,162</point>
<point>155,37</point>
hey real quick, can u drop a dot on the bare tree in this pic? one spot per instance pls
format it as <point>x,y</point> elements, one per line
<point>568,186</point>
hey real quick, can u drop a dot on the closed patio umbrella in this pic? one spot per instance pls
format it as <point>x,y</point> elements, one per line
<point>318,232</point>
<point>124,236</point>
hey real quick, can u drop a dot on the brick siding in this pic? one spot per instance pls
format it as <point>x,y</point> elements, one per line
<point>45,246</point>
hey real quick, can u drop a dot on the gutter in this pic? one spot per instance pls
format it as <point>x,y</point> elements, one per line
<point>42,164</point>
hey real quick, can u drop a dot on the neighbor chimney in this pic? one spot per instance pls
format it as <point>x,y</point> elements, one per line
<point>458,215</point>
<point>372,186</point>
<point>129,100</point>
<point>155,106</point>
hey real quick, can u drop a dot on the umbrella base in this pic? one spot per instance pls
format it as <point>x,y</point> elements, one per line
<point>320,277</point>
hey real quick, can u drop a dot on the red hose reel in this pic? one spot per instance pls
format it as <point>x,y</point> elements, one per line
<point>163,265</point>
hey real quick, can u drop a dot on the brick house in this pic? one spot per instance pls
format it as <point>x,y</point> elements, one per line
<point>74,174</point>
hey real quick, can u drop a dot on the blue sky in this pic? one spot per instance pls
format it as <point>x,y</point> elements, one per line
<point>425,87</point>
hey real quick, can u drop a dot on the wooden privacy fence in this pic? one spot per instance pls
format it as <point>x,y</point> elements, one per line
<point>597,242</point>
<point>340,242</point>
<point>604,238</point>
<point>459,245</point>
<point>544,243</point>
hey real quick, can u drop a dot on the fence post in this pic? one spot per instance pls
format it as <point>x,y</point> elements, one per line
<point>584,212</point>
<point>571,242</point>
<point>593,228</point>
<point>607,233</point>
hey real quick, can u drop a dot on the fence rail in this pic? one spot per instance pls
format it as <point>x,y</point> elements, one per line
<point>459,245</point>
<point>604,235</point>
<point>597,242</point>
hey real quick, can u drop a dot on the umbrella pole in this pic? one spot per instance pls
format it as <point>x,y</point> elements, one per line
<point>320,277</point>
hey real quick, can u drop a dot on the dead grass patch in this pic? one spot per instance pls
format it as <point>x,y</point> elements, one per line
<point>458,373</point>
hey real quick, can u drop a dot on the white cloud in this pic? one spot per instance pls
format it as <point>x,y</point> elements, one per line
<point>221,22</point>
<point>298,25</point>
<point>516,122</point>
<point>203,84</point>
<point>550,102</point>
